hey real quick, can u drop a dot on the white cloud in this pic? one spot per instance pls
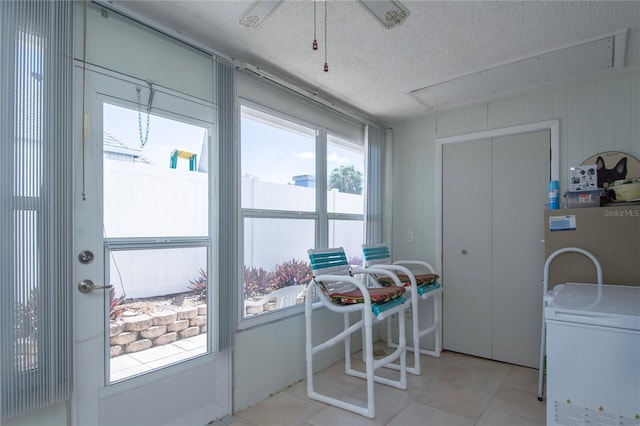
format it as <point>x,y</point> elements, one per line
<point>305,155</point>
<point>333,157</point>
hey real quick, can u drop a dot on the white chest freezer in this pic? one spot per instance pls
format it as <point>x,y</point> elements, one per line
<point>593,355</point>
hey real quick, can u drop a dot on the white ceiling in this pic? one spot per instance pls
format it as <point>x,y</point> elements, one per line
<point>373,70</point>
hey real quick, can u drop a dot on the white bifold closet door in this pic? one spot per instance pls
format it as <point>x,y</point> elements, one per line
<point>493,197</point>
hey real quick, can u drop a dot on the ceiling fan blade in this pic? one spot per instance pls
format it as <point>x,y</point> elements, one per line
<point>259,11</point>
<point>389,13</point>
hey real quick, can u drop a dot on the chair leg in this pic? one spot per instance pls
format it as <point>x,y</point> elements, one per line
<point>437,318</point>
<point>369,409</point>
<point>365,325</point>
<point>309,350</point>
<point>347,345</point>
<point>416,335</point>
<point>369,370</point>
<point>402,343</point>
<point>436,327</point>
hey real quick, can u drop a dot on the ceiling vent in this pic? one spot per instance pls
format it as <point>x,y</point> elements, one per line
<point>576,61</point>
<point>258,13</point>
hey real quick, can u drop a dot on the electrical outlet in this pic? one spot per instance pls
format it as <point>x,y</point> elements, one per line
<point>409,236</point>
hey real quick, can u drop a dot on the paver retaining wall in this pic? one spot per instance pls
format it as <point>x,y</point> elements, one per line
<point>139,332</point>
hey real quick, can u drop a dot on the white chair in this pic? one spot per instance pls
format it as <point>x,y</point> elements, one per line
<point>339,291</point>
<point>285,296</point>
<point>423,285</point>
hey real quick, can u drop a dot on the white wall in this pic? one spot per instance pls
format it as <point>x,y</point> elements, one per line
<point>595,116</point>
<point>271,357</point>
<point>115,44</point>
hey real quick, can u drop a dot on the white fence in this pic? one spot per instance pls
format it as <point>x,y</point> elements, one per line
<point>146,201</point>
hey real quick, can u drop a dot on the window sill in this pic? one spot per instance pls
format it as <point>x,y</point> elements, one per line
<point>269,317</point>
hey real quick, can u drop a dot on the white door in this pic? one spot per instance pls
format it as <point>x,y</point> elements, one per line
<point>494,191</point>
<point>466,240</point>
<point>520,182</point>
<point>145,209</point>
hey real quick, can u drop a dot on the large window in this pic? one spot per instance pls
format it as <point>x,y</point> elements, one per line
<point>302,187</point>
<point>345,200</point>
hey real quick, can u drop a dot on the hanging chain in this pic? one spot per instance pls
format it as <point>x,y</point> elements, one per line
<point>143,141</point>
<point>326,42</point>
<point>85,120</point>
<point>314,45</point>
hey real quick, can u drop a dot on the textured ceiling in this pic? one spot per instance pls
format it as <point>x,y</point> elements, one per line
<point>373,69</point>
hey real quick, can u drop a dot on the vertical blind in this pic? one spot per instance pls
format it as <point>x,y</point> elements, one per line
<point>35,205</point>
<point>373,203</point>
<point>229,214</point>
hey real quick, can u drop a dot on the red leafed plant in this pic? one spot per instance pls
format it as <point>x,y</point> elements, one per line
<point>257,282</point>
<point>114,304</point>
<point>199,285</point>
<point>292,272</point>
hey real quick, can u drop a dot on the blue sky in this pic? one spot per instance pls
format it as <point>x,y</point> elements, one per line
<point>273,154</point>
<point>277,155</point>
<point>165,135</point>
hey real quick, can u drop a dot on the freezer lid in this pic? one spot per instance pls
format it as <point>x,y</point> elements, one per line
<point>618,306</point>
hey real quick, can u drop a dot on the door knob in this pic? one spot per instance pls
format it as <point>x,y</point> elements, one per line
<point>464,251</point>
<point>87,286</point>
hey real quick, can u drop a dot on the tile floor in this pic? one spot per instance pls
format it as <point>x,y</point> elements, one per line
<point>454,389</point>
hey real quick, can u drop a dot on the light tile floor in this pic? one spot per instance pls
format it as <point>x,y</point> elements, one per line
<point>454,389</point>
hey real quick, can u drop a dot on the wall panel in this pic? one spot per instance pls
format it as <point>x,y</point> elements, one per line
<point>573,136</point>
<point>594,116</point>
<point>590,119</point>
<point>476,118</point>
<point>622,109</point>
<point>606,111</point>
<point>518,110</point>
<point>414,196</point>
<point>137,51</point>
<point>635,113</point>
<point>531,102</point>
<point>545,107</point>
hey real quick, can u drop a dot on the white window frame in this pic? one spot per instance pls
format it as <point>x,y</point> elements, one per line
<point>320,215</point>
